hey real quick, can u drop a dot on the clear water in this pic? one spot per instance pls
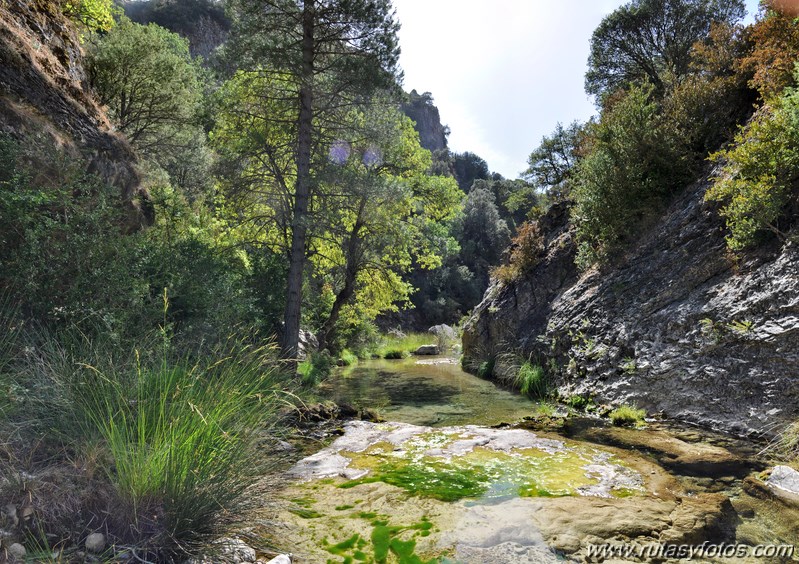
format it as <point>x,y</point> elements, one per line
<point>338,519</point>
<point>430,392</point>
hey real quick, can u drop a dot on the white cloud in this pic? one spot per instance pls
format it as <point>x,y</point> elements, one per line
<point>503,73</point>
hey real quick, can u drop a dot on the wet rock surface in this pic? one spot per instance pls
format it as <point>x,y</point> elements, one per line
<point>674,326</point>
<point>339,500</point>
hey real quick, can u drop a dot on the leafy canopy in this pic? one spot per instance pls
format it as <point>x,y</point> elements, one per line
<point>650,41</point>
<point>759,173</point>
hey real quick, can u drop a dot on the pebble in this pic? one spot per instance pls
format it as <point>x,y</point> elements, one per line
<point>95,542</point>
<point>17,551</point>
<point>280,559</point>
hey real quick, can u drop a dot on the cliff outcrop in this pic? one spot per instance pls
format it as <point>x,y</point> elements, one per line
<point>678,326</point>
<point>45,100</point>
<point>427,120</point>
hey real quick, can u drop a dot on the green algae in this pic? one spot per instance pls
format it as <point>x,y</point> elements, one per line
<point>385,540</point>
<point>480,473</point>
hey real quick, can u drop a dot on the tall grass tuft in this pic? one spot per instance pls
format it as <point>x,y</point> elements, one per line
<point>627,416</point>
<point>532,381</point>
<point>182,439</point>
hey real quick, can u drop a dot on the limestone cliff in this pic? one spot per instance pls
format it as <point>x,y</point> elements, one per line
<point>45,100</point>
<point>420,108</point>
<point>678,326</point>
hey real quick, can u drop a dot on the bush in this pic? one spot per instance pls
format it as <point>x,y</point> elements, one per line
<point>315,368</point>
<point>531,381</point>
<point>396,354</point>
<point>630,168</point>
<point>486,368</point>
<point>526,251</point>
<point>756,182</point>
<point>627,416</point>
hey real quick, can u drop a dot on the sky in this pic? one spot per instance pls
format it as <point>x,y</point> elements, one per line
<point>502,73</point>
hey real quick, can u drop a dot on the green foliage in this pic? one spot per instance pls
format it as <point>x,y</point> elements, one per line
<point>631,167</point>
<point>581,403</point>
<point>348,358</point>
<point>182,438</point>
<point>627,416</point>
<point>650,41</point>
<point>94,15</point>
<point>315,368</point>
<point>395,354</point>
<point>531,380</point>
<point>757,181</point>
<point>552,163</point>
<point>66,259</point>
<point>468,167</point>
<point>485,369</point>
<point>151,85</point>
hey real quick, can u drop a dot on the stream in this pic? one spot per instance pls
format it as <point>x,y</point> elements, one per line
<point>464,471</point>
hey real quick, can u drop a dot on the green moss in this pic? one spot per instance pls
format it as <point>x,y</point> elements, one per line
<point>344,507</point>
<point>306,513</point>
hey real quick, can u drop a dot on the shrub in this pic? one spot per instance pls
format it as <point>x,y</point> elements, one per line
<point>395,354</point>
<point>757,178</point>
<point>486,368</point>
<point>315,368</point>
<point>532,381</point>
<point>630,168</point>
<point>526,251</point>
<point>627,416</point>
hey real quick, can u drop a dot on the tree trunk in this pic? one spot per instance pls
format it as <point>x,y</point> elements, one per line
<point>302,191</point>
<point>353,254</point>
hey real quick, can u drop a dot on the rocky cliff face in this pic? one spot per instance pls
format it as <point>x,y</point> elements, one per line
<point>420,108</point>
<point>45,100</point>
<point>678,327</point>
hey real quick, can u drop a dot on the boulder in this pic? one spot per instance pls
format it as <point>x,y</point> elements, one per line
<point>427,350</point>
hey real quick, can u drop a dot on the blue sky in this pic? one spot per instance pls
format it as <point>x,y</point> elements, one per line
<point>503,73</point>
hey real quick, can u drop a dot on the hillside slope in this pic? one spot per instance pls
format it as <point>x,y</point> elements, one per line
<point>678,326</point>
<point>45,101</point>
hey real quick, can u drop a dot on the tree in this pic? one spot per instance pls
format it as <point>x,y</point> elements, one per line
<point>482,234</point>
<point>384,214</point>
<point>146,77</point>
<point>317,57</point>
<point>467,168</point>
<point>95,15</point>
<point>651,41</point>
<point>552,163</point>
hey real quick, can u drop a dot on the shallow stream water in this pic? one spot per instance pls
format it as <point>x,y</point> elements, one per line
<point>457,474</point>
